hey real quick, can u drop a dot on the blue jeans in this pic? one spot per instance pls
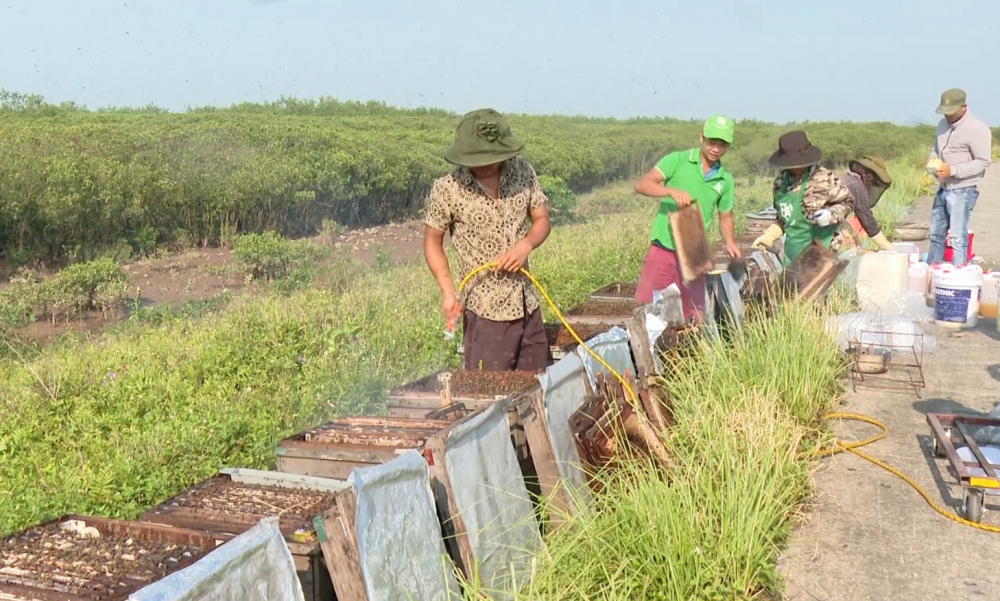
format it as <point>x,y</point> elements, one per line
<point>950,217</point>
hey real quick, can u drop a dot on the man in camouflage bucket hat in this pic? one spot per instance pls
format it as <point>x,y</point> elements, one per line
<point>867,178</point>
<point>486,204</point>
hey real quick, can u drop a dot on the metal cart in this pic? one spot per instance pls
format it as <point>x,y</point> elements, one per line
<point>951,431</point>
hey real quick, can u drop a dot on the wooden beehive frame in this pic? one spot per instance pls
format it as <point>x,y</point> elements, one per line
<point>373,445</point>
<point>121,528</point>
<point>694,254</point>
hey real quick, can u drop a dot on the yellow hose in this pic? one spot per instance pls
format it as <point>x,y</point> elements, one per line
<point>559,315</point>
<point>839,446</point>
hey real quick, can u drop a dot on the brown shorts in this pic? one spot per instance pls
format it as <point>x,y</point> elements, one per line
<point>505,345</point>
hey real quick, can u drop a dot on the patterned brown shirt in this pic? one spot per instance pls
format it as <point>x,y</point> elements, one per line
<point>482,229</point>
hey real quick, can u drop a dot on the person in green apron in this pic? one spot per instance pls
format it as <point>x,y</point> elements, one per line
<point>811,201</point>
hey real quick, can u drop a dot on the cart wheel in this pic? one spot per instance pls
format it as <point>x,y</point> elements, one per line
<point>972,505</point>
<point>938,450</point>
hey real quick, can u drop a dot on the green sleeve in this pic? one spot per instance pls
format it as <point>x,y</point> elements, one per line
<point>668,165</point>
<point>728,200</point>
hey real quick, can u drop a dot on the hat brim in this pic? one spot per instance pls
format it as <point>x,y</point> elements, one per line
<point>948,109</point>
<point>811,156</point>
<point>882,175</point>
<point>465,158</point>
<point>714,134</point>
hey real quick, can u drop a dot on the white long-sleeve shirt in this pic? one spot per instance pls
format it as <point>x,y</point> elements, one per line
<point>966,146</point>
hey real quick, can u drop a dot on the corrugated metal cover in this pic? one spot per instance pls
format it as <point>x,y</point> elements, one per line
<point>563,391</point>
<point>612,347</point>
<point>402,554</point>
<point>491,498</point>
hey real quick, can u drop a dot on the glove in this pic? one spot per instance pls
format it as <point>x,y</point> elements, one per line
<point>883,244</point>
<point>767,240</point>
<point>823,217</point>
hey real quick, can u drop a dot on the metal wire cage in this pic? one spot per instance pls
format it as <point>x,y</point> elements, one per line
<point>903,354</point>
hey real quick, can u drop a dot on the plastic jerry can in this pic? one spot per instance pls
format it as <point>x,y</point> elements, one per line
<point>988,300</point>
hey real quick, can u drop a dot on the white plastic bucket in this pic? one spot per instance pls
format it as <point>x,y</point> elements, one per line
<point>956,298</point>
<point>988,300</point>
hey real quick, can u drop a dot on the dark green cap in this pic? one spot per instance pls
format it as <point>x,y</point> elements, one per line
<point>951,101</point>
<point>483,137</point>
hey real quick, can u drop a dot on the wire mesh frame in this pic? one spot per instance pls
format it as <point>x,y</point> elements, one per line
<point>900,375</point>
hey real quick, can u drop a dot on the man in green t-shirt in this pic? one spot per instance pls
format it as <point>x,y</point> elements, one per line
<point>680,178</point>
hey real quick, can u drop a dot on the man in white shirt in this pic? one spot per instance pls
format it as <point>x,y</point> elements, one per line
<point>963,145</point>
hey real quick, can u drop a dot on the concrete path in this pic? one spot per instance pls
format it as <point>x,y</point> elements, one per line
<point>867,534</point>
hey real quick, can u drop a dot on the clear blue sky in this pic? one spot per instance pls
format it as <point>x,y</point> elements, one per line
<point>776,60</point>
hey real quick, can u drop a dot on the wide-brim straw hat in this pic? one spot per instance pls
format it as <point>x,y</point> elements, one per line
<point>795,150</point>
<point>876,165</point>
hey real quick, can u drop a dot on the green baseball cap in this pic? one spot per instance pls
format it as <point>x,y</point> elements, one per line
<point>951,101</point>
<point>719,128</point>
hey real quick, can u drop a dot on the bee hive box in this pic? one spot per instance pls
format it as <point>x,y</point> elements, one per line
<point>337,447</point>
<point>82,558</point>
<point>233,501</point>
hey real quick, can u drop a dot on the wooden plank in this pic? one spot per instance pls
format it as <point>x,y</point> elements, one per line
<point>531,409</point>
<point>318,467</point>
<point>419,407</point>
<point>456,536</point>
<point>361,421</point>
<point>266,478</point>
<point>409,412</point>
<point>638,340</point>
<point>328,452</point>
<point>586,320</point>
<point>339,542</point>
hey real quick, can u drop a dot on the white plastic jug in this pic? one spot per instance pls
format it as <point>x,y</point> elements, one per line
<point>937,270</point>
<point>988,301</point>
<point>907,248</point>
<point>998,312</point>
<point>918,276</point>
<point>880,274</point>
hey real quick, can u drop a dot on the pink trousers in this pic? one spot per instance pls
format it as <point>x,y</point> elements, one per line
<point>660,269</point>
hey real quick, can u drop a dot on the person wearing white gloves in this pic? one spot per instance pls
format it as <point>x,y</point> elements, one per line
<point>811,200</point>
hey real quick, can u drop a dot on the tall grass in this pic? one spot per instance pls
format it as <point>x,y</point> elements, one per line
<point>713,527</point>
<point>908,182</point>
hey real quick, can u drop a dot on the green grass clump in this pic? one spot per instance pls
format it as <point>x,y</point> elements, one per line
<point>908,182</point>
<point>713,527</point>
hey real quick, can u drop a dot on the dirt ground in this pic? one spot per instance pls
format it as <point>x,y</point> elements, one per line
<point>867,534</point>
<point>204,273</point>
